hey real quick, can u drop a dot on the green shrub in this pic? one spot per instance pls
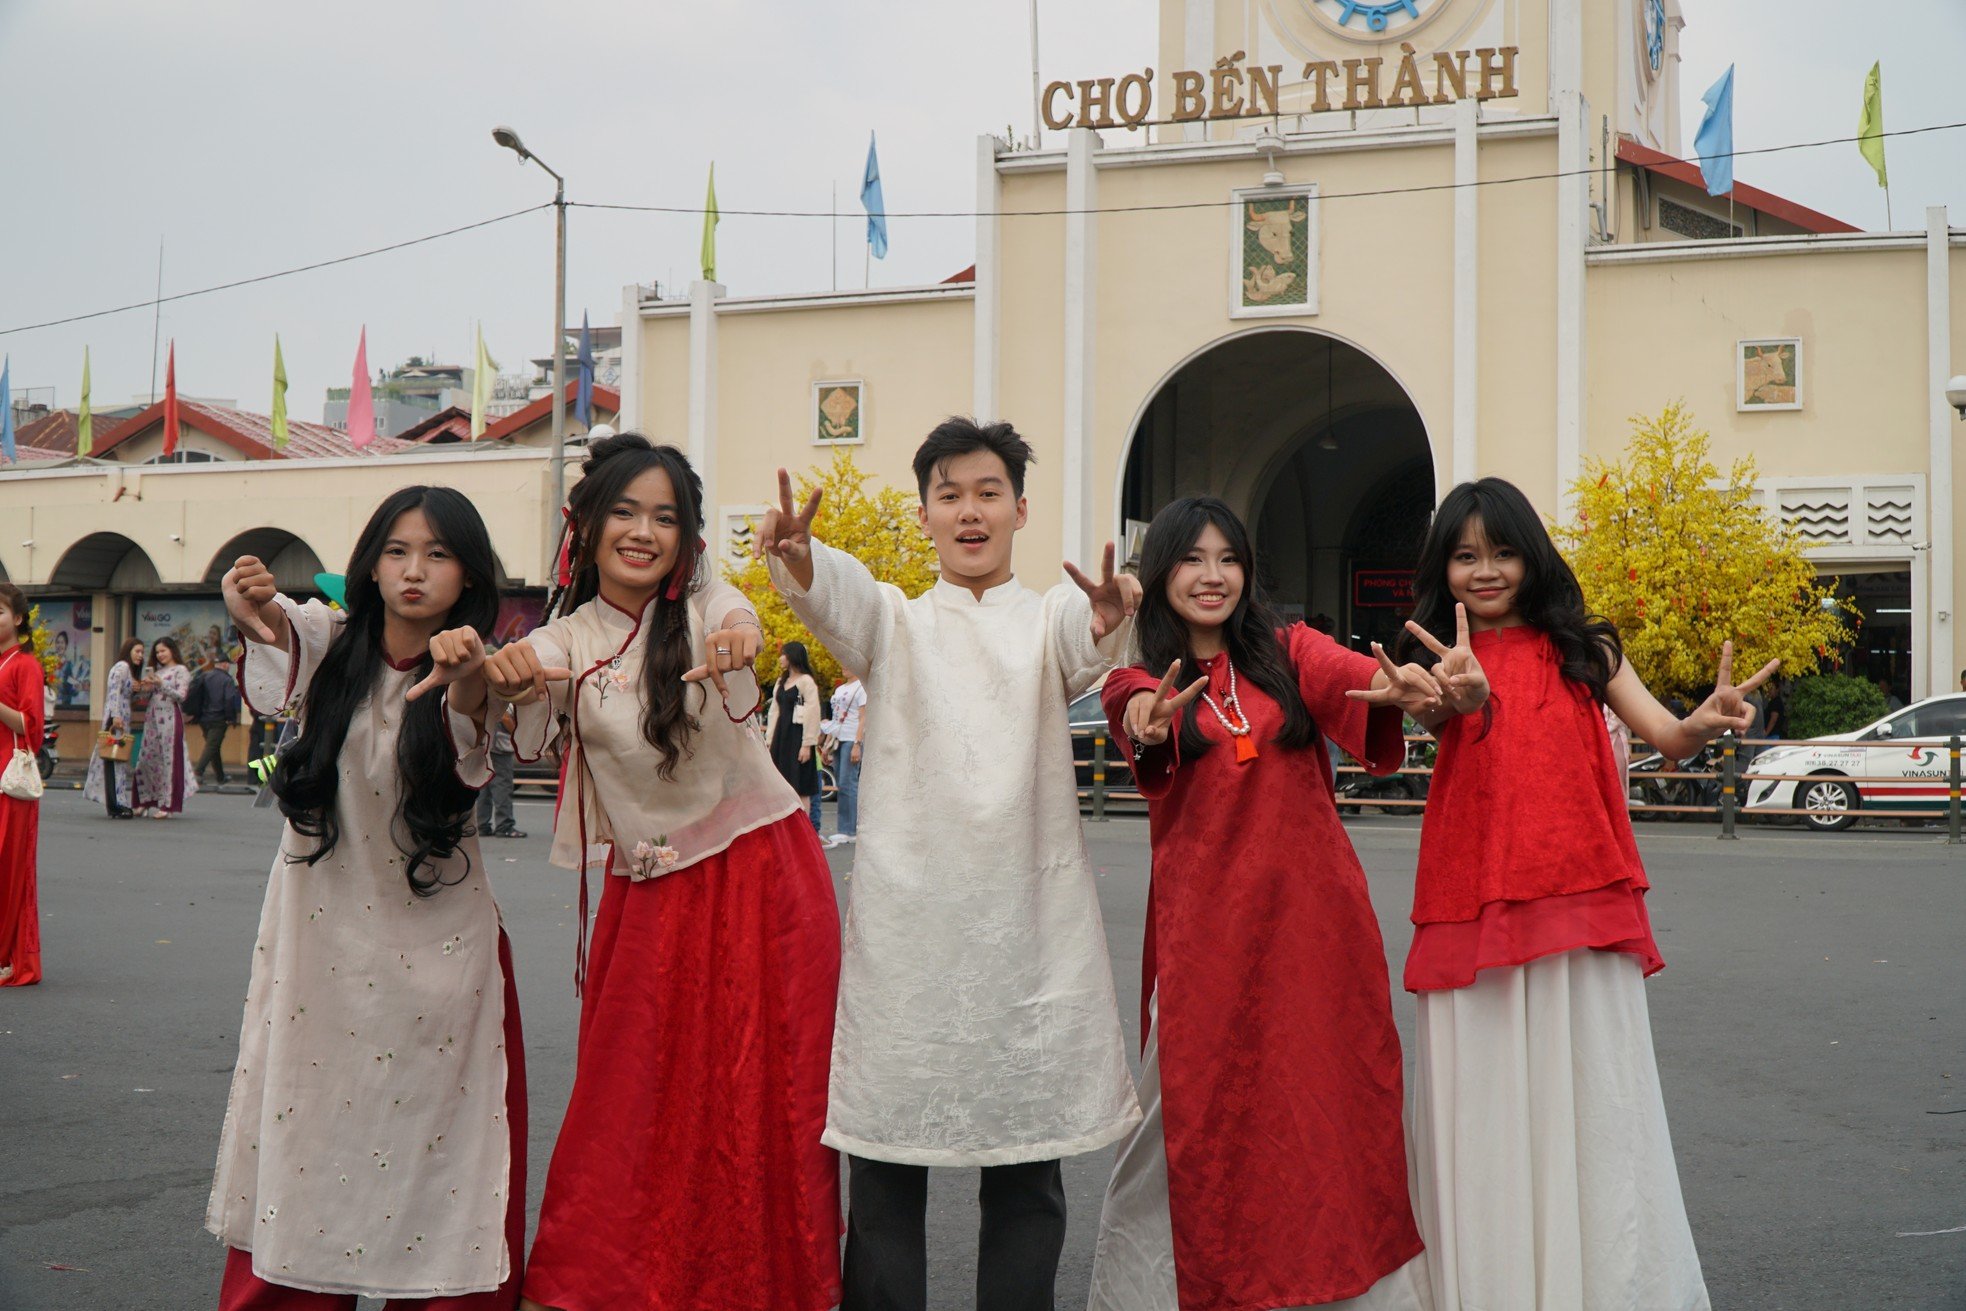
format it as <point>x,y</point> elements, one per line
<point>1831,703</point>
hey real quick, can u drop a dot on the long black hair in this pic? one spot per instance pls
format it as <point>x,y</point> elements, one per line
<point>612,463</point>
<point>142,649</point>
<point>1250,631</point>
<point>1549,599</point>
<point>434,812</point>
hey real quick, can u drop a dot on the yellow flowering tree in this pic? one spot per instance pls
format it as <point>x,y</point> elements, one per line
<point>1682,560</point>
<point>44,645</point>
<point>880,527</point>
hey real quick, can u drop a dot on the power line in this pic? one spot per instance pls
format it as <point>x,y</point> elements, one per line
<point>283,273</point>
<point>1423,188</point>
<point>1591,171</point>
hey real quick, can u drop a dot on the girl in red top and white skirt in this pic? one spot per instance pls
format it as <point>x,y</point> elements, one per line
<point>1545,1171</point>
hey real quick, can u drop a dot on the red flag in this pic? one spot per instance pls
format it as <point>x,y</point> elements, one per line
<point>361,399</point>
<point>170,402</point>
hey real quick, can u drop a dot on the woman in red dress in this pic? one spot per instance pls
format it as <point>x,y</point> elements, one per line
<point>1270,1170</point>
<point>1545,1173</point>
<point>21,711</point>
<point>689,1175</point>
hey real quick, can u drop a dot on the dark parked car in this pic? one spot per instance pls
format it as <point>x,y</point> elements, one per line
<point>1087,718</point>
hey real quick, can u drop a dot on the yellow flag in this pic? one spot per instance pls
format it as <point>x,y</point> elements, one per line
<point>85,423</point>
<point>710,220</point>
<point>279,397</point>
<point>1870,127</point>
<point>481,386</point>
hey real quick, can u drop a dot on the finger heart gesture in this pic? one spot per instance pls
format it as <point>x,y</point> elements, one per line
<point>1150,715</point>
<point>1463,682</point>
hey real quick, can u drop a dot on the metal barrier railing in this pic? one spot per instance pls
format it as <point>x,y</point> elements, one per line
<point>1727,782</point>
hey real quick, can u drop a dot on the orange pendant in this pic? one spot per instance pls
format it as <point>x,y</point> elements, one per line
<point>1245,748</point>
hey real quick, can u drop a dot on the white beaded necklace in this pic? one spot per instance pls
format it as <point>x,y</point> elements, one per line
<point>1245,743</point>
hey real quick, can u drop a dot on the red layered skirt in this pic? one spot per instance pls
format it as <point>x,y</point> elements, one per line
<point>689,1175</point>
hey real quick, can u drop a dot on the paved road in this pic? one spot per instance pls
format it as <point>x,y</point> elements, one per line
<point>1811,1031</point>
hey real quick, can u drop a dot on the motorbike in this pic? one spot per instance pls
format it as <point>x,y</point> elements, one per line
<point>1357,791</point>
<point>48,755</point>
<point>1644,788</point>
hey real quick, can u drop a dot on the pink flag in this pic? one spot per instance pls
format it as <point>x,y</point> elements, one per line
<point>361,400</point>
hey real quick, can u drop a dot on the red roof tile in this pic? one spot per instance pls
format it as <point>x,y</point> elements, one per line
<point>1681,170</point>
<point>605,398</point>
<point>451,425</point>
<point>53,431</point>
<point>251,434</point>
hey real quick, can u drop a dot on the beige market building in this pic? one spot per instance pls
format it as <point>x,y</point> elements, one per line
<point>1325,259</point>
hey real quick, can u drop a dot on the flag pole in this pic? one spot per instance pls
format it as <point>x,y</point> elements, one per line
<point>156,319</point>
<point>1037,118</point>
<point>1889,226</point>
<point>835,212</point>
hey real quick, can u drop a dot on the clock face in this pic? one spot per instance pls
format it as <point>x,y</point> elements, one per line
<point>1383,20</point>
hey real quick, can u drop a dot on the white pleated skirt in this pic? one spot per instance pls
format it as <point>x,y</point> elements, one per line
<point>1544,1170</point>
<point>1133,1265</point>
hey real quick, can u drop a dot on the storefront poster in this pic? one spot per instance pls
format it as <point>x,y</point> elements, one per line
<point>67,620</point>
<point>199,625</point>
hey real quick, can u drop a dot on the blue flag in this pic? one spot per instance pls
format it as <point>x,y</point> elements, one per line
<point>870,200</point>
<point>1715,140</point>
<point>583,405</point>
<point>7,410</point>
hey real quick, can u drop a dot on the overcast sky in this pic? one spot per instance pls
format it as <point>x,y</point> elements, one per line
<point>249,137</point>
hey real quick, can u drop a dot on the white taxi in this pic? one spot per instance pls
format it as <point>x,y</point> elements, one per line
<point>1906,750</point>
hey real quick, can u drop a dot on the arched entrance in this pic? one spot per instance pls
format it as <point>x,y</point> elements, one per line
<point>1321,451</point>
<point>291,559</point>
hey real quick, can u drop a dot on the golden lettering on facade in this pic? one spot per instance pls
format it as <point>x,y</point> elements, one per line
<point>1497,71</point>
<point>1188,102</point>
<point>1263,84</point>
<point>1450,69</point>
<point>1131,113</point>
<point>1096,102</point>
<point>1229,90</point>
<point>1319,74</point>
<point>1052,118</point>
<point>1407,91</point>
<point>1362,84</point>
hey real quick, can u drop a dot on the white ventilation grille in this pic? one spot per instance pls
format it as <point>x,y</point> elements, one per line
<point>1821,515</point>
<point>1887,513</point>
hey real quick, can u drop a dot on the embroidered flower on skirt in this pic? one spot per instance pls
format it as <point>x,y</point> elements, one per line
<point>648,859</point>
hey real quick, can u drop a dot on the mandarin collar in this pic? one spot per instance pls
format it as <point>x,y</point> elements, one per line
<point>956,592</point>
<point>614,617</point>
<point>1513,633</point>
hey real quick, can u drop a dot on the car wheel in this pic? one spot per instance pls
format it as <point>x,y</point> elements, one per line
<point>1831,803</point>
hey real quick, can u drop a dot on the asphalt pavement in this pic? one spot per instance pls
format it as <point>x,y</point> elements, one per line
<point>1810,1027</point>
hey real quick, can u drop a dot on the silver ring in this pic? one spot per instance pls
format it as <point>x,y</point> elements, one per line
<point>723,650</point>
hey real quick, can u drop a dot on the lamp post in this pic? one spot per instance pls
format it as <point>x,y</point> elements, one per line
<point>508,138</point>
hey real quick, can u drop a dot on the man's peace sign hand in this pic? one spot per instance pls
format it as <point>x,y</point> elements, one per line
<point>786,533</point>
<point>1150,715</point>
<point>1114,597</point>
<point>1463,682</point>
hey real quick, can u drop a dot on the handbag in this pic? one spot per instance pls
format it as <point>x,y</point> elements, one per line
<point>22,778</point>
<point>113,746</point>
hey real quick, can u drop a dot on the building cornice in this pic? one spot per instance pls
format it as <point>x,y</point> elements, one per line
<point>818,300</point>
<point>1750,247</point>
<point>1202,152</point>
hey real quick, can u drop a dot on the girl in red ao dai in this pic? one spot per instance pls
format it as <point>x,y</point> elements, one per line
<point>688,1175</point>
<point>1545,1171</point>
<point>21,708</point>
<point>375,1133</point>
<point>1270,1170</point>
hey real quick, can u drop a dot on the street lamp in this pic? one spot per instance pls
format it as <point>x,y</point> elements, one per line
<point>509,139</point>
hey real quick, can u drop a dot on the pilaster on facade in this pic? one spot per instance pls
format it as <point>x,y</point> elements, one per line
<point>630,418</point>
<point>1938,347</point>
<point>1572,237</point>
<point>702,428</point>
<point>984,400</point>
<point>1081,292</point>
<point>1467,285</point>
